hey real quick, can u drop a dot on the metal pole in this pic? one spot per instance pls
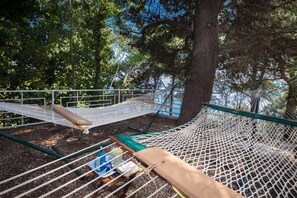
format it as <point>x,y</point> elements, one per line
<point>22,102</point>
<point>53,97</point>
<point>226,100</point>
<point>77,99</point>
<point>38,148</point>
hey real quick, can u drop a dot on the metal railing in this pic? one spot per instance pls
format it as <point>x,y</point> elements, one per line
<point>91,98</point>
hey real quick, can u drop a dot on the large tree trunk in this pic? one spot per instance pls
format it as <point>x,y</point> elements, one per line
<point>290,112</point>
<point>199,84</point>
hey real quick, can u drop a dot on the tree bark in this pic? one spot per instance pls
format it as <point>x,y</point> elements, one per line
<point>199,84</point>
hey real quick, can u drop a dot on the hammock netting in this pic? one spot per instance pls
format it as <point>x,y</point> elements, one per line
<point>249,155</point>
<point>253,155</point>
<point>129,109</point>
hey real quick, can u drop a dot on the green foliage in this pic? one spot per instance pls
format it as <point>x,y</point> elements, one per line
<point>258,43</point>
<point>162,30</point>
<point>37,38</point>
<point>257,39</point>
<point>131,43</point>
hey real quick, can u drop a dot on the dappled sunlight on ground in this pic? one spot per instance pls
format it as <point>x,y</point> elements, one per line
<point>25,131</point>
<point>65,139</point>
<point>53,140</point>
<point>71,139</point>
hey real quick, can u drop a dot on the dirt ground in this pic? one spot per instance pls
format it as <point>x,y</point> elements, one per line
<point>16,158</point>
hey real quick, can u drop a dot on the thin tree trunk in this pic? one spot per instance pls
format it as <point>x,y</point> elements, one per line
<point>72,64</point>
<point>147,81</point>
<point>71,50</point>
<point>199,84</point>
<point>171,97</point>
<point>156,79</point>
<point>97,47</point>
<point>96,27</point>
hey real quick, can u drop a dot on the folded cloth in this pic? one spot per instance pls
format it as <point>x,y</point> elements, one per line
<point>183,176</point>
<point>128,168</point>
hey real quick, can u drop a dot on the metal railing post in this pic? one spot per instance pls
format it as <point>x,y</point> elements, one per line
<point>22,102</point>
<point>53,97</point>
<point>226,99</point>
<point>77,98</point>
<point>119,96</point>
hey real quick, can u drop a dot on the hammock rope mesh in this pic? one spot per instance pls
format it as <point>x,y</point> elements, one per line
<point>118,112</point>
<point>131,108</point>
<point>248,155</point>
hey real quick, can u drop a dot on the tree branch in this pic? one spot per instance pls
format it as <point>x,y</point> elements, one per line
<point>181,25</point>
<point>282,4</point>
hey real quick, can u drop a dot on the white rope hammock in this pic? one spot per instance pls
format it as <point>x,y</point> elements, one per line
<point>98,116</point>
<point>245,154</point>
